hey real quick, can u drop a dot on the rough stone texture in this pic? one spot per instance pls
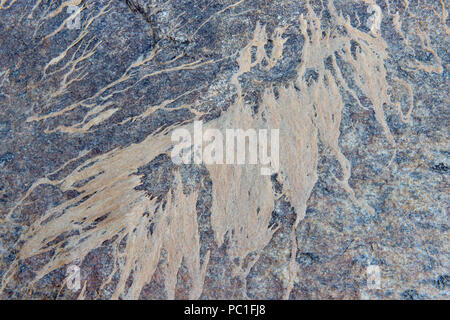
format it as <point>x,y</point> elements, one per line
<point>86,176</point>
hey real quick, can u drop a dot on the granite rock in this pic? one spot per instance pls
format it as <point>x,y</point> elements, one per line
<point>91,92</point>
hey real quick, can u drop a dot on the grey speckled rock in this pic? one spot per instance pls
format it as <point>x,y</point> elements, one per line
<point>91,92</point>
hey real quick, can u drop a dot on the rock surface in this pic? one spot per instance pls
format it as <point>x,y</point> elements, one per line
<point>89,100</point>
